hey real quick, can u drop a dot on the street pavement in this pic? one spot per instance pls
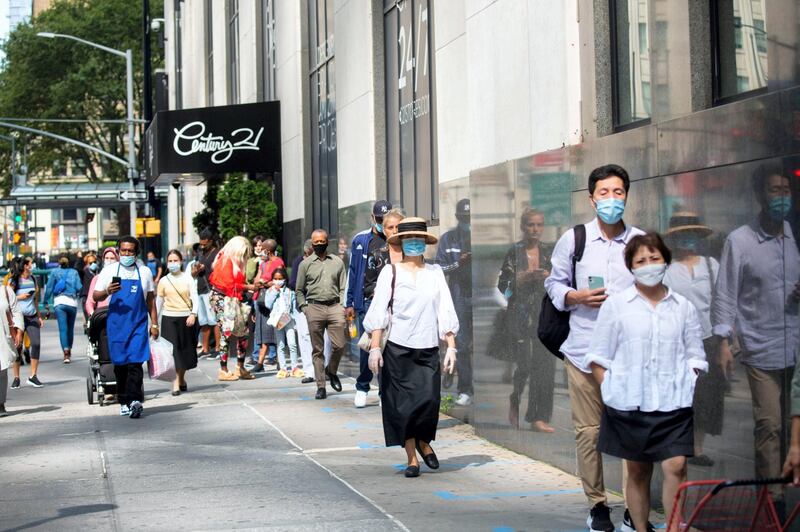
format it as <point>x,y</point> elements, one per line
<point>253,455</point>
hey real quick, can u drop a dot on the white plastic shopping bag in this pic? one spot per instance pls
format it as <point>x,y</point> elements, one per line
<point>161,365</point>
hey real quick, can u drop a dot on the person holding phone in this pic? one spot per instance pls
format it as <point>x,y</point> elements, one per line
<point>130,286</point>
<point>415,298</point>
<point>26,289</point>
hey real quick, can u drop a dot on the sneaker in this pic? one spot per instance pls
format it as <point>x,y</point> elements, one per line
<point>463,400</point>
<point>241,373</point>
<point>136,410</point>
<point>67,360</point>
<point>599,519</point>
<point>15,384</point>
<point>226,376</point>
<point>298,373</point>
<point>124,410</point>
<point>258,368</point>
<point>34,381</point>
<point>361,399</point>
<point>282,374</point>
<point>214,355</point>
<point>627,524</point>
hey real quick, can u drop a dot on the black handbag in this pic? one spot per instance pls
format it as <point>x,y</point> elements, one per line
<point>553,326</point>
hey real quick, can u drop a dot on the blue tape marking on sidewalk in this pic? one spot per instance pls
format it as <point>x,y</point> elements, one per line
<point>503,529</point>
<point>352,425</point>
<point>304,398</point>
<point>450,496</point>
<point>327,409</point>
<point>368,446</point>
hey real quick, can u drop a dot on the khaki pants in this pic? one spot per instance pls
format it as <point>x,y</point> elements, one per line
<point>321,317</point>
<point>586,404</point>
<point>769,390</point>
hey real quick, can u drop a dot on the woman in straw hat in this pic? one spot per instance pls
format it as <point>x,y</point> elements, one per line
<point>411,301</point>
<point>693,276</point>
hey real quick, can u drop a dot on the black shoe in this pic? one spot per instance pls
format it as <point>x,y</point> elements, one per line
<point>307,380</point>
<point>599,519</point>
<point>429,459</point>
<point>15,384</point>
<point>183,388</point>
<point>258,368</point>
<point>412,471</point>
<point>628,526</point>
<point>176,393</point>
<point>3,412</point>
<point>321,394</point>
<point>34,381</point>
<point>336,384</point>
<point>701,460</point>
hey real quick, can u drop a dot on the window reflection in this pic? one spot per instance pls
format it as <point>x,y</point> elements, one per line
<point>631,61</point>
<point>741,46</point>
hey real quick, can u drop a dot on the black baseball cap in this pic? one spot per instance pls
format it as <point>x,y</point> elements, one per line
<point>380,208</point>
<point>462,208</point>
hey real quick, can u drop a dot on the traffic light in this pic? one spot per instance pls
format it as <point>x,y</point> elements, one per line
<point>18,238</point>
<point>24,214</point>
<point>18,217</point>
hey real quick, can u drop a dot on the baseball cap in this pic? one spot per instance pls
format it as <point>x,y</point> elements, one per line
<point>462,208</point>
<point>380,208</point>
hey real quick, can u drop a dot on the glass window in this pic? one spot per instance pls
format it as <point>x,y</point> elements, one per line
<point>209,55</point>
<point>410,136</point>
<point>233,51</point>
<point>630,61</point>
<point>740,47</point>
<point>325,203</point>
<point>268,64</point>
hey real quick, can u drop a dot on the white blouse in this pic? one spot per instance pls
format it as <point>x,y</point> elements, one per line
<point>650,352</point>
<point>422,312</point>
<point>8,304</point>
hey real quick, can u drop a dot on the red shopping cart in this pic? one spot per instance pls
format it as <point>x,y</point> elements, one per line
<point>729,505</point>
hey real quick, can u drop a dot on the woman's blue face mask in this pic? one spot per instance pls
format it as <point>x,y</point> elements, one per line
<point>413,247</point>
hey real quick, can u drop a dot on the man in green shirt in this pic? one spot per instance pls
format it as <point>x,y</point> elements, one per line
<point>321,284</point>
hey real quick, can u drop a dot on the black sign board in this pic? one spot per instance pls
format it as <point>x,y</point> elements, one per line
<point>213,140</point>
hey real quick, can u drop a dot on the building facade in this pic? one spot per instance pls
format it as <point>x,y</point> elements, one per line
<point>511,104</point>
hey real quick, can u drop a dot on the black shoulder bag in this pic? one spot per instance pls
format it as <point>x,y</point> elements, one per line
<point>554,324</point>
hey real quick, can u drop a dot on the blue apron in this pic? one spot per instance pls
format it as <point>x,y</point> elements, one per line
<point>126,324</point>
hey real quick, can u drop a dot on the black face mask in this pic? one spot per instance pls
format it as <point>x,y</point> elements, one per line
<point>319,249</point>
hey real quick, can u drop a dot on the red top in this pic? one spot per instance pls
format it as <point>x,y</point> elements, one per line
<point>223,279</point>
<point>268,268</point>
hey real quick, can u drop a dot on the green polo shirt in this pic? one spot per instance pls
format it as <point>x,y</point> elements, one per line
<point>321,279</point>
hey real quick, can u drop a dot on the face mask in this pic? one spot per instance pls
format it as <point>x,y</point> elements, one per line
<point>610,210</point>
<point>127,260</point>
<point>93,266</point>
<point>413,247</point>
<point>465,226</point>
<point>174,267</point>
<point>650,275</point>
<point>278,282</point>
<point>109,262</point>
<point>319,249</point>
<point>379,228</point>
<point>687,241</point>
<point>779,207</point>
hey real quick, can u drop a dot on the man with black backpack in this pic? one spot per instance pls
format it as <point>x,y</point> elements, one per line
<point>588,266</point>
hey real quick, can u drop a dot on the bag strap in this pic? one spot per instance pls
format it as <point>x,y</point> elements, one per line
<point>577,253</point>
<point>394,276</point>
<point>178,292</point>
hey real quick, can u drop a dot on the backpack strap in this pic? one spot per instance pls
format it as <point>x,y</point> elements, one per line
<point>577,253</point>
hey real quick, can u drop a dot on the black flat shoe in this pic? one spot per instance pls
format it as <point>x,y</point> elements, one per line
<point>412,471</point>
<point>176,393</point>
<point>321,394</point>
<point>429,459</point>
<point>307,380</point>
<point>184,388</point>
<point>336,384</point>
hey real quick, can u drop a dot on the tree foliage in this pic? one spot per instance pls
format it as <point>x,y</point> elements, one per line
<point>240,207</point>
<point>61,78</point>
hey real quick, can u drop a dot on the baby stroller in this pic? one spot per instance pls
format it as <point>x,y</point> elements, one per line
<point>101,379</point>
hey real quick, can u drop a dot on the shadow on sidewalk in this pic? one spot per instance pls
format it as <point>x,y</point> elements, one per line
<point>166,409</point>
<point>37,410</point>
<point>70,511</point>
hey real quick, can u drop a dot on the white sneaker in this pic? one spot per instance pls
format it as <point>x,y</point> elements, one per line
<point>463,400</point>
<point>361,399</point>
<point>124,410</point>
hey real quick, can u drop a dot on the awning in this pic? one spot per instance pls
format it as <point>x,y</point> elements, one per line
<point>69,195</point>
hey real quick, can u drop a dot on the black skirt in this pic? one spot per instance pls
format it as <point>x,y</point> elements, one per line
<point>410,393</point>
<point>646,436</point>
<point>183,340</point>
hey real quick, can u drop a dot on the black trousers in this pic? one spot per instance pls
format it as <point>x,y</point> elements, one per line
<point>130,383</point>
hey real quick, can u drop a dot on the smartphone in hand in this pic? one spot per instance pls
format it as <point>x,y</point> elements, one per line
<point>595,282</point>
<point>116,279</point>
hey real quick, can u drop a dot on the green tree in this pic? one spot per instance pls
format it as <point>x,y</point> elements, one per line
<point>60,78</point>
<point>240,207</point>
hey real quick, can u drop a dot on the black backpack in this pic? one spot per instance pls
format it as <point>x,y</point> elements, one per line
<point>554,324</point>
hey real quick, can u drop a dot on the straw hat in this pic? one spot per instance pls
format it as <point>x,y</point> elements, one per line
<point>413,227</point>
<point>686,221</point>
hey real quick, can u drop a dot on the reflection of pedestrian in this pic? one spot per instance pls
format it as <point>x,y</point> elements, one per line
<point>521,281</point>
<point>455,257</point>
<point>414,296</point>
<point>63,286</point>
<point>693,275</point>
<point>756,294</point>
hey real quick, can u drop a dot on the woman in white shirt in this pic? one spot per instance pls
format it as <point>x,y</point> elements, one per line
<point>646,353</point>
<point>177,304</point>
<point>412,300</point>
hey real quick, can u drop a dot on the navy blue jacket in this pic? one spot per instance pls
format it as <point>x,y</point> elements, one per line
<point>459,276</point>
<point>359,255</point>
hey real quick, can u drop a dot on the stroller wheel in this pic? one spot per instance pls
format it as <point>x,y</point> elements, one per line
<point>89,391</point>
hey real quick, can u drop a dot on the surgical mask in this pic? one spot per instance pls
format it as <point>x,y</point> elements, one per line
<point>279,282</point>
<point>650,275</point>
<point>688,241</point>
<point>127,260</point>
<point>413,247</point>
<point>174,267</point>
<point>379,227</point>
<point>319,249</point>
<point>610,210</point>
<point>779,207</point>
<point>93,266</point>
<point>465,226</point>
<point>109,262</point>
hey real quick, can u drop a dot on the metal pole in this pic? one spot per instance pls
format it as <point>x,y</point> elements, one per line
<point>147,101</point>
<point>131,141</point>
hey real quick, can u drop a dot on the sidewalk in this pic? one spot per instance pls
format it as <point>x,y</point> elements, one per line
<point>257,454</point>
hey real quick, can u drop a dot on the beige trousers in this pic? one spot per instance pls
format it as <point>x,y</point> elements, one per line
<point>321,317</point>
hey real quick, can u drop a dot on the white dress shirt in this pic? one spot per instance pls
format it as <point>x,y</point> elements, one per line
<point>696,285</point>
<point>602,258</point>
<point>422,312</point>
<point>650,352</point>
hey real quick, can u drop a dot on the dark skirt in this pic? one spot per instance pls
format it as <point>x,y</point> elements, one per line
<point>646,436</point>
<point>709,393</point>
<point>262,333</point>
<point>410,393</point>
<point>183,340</point>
